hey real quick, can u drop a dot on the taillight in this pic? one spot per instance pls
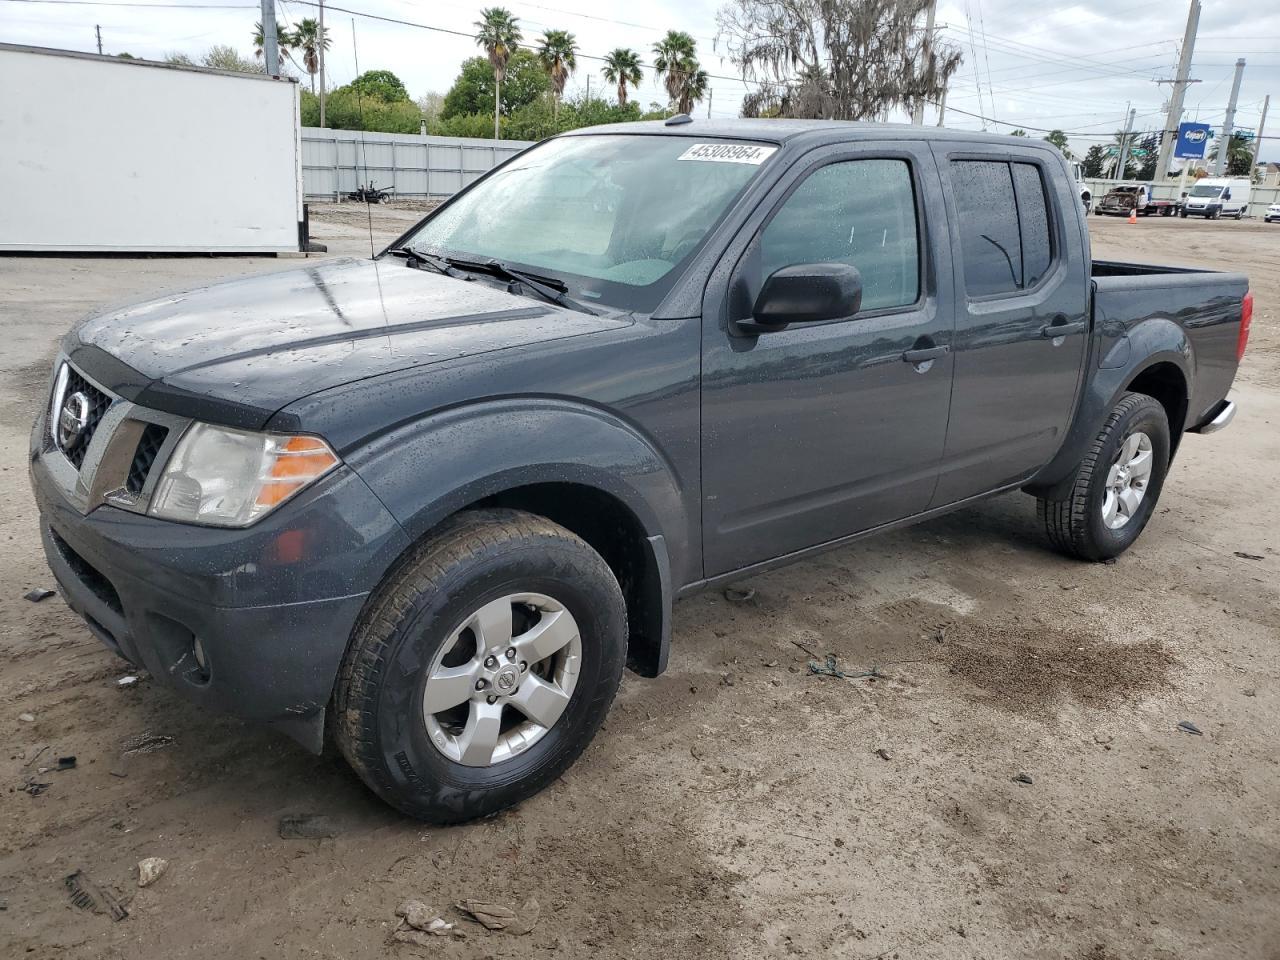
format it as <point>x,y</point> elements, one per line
<point>1246,318</point>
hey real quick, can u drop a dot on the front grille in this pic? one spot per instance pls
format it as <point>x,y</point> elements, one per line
<point>98,404</point>
<point>145,457</point>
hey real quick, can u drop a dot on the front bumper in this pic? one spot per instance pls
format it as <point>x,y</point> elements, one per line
<point>272,605</point>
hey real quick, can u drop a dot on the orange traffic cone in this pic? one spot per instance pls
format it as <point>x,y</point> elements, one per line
<point>1133,215</point>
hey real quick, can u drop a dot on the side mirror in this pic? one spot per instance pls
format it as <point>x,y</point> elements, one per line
<point>805,293</point>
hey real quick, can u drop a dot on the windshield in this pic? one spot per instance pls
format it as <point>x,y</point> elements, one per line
<point>611,216</point>
<point>1205,190</point>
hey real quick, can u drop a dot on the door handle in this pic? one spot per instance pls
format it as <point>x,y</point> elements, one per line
<point>1051,331</point>
<point>928,353</point>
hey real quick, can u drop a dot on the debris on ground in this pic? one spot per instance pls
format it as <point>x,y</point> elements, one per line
<point>831,669</point>
<point>1023,778</point>
<point>150,870</point>
<point>36,594</point>
<point>1186,726</point>
<point>497,916</point>
<point>87,895</point>
<point>726,679</point>
<point>66,763</point>
<point>127,681</point>
<point>146,743</point>
<point>27,717</point>
<point>1249,556</point>
<point>739,594</point>
<point>307,826</point>
<point>883,754</point>
<point>1249,692</point>
<point>33,786</point>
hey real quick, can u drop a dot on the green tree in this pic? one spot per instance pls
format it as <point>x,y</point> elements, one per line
<point>1018,133</point>
<point>1239,156</point>
<point>284,42</point>
<point>622,66</point>
<point>311,38</point>
<point>381,85</point>
<point>1059,140</point>
<point>675,59</point>
<point>223,57</point>
<point>181,59</point>
<point>1093,161</point>
<point>498,32</point>
<point>347,108</point>
<point>558,52</point>
<point>476,87</point>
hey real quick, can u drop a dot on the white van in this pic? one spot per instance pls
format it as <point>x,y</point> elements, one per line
<point>1215,197</point>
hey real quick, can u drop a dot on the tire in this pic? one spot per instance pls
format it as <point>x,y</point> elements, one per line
<point>475,562</point>
<point>1076,525</point>
<point>1216,214</point>
<point>1182,214</point>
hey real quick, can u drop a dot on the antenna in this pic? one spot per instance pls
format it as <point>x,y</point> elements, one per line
<point>364,150</point>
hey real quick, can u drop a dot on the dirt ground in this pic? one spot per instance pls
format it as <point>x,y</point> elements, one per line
<point>738,806</point>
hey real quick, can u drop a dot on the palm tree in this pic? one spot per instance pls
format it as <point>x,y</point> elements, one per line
<point>622,66</point>
<point>499,33</point>
<point>695,87</point>
<point>675,60</point>
<point>284,41</point>
<point>310,38</point>
<point>1239,155</point>
<point>558,51</point>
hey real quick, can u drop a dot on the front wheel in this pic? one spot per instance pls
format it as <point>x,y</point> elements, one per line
<point>482,667</point>
<point>1116,486</point>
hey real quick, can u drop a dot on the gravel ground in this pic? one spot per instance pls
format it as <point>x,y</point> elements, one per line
<point>737,806</point>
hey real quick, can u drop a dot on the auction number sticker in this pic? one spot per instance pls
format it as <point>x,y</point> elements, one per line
<point>729,153</point>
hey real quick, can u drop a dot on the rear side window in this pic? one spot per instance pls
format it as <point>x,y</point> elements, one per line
<point>1005,234</point>
<point>1033,223</point>
<point>988,227</point>
<point>859,212</point>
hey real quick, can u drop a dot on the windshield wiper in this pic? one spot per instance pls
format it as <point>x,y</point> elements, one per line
<point>419,258</point>
<point>548,288</point>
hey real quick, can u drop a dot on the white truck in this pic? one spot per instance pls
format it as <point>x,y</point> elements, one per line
<point>1215,197</point>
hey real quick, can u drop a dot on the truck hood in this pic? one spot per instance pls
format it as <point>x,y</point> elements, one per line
<point>236,352</point>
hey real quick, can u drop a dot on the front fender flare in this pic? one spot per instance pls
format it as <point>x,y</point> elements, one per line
<point>429,468</point>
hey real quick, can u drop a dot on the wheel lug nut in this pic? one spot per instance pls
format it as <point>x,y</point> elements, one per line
<point>523,666</point>
<point>481,684</point>
<point>491,700</point>
<point>511,653</point>
<point>490,662</point>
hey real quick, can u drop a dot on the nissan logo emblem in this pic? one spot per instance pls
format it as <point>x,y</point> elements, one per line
<point>72,419</point>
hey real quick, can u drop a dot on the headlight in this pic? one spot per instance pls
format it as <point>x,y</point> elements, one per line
<point>230,478</point>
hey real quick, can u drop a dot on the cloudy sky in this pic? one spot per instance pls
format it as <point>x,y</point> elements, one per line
<point>1070,67</point>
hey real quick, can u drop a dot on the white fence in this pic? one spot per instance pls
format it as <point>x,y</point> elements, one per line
<point>336,162</point>
<point>1259,199</point>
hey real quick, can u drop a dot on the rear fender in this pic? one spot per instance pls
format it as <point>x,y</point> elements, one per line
<point>1150,342</point>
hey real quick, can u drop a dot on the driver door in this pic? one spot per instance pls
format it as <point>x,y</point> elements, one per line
<point>825,429</point>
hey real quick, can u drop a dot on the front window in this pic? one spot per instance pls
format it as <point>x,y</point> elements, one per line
<point>1205,190</point>
<point>612,216</point>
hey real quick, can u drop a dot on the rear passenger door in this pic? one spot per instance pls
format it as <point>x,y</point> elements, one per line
<point>1022,318</point>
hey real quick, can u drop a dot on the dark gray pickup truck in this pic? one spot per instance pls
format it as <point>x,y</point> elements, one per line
<point>431,504</point>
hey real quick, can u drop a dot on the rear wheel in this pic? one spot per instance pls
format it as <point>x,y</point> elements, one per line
<point>1116,485</point>
<point>482,667</point>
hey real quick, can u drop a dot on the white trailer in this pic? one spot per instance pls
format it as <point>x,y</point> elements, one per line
<point>114,155</point>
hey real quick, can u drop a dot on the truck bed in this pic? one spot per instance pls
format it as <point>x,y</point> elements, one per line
<point>1134,300</point>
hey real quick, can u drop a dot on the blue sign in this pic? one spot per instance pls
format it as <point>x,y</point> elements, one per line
<point>1192,139</point>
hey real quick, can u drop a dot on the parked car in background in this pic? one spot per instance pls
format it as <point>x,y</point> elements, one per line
<point>1086,195</point>
<point>1273,213</point>
<point>431,504</point>
<point>1216,197</point>
<point>1122,199</point>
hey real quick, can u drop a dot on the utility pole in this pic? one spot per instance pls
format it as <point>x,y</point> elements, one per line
<point>917,113</point>
<point>1257,140</point>
<point>270,42</point>
<point>323,38</point>
<point>97,28</point>
<point>1179,90</point>
<point>1229,123</point>
<point>711,92</point>
<point>1124,141</point>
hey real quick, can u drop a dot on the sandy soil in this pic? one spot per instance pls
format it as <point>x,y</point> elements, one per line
<point>738,806</point>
